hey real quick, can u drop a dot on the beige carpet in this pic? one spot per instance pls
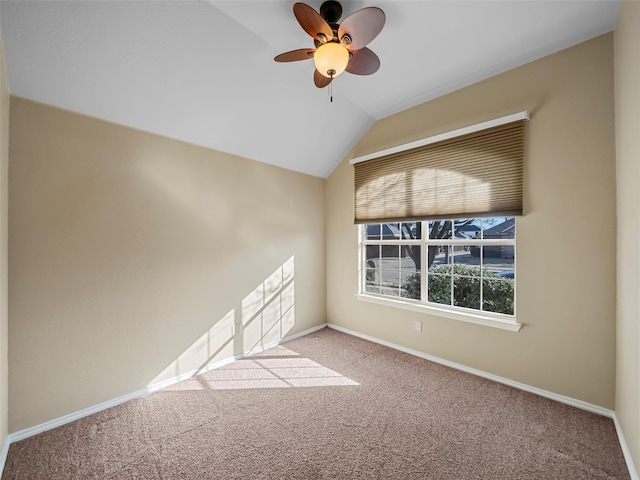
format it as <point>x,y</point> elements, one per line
<point>328,406</point>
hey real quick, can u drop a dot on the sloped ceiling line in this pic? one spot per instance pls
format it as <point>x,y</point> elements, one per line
<point>203,71</point>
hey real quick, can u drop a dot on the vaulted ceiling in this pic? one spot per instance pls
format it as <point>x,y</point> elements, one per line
<point>203,71</point>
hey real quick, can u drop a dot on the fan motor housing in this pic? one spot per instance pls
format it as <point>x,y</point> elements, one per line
<point>331,11</point>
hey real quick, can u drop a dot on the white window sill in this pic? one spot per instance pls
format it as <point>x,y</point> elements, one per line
<point>479,318</point>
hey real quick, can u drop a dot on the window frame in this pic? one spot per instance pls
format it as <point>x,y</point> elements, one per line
<point>480,317</point>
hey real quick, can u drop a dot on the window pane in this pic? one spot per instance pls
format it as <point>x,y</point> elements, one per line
<point>507,273</point>
<point>464,262</point>
<point>439,229</point>
<point>439,289</point>
<point>372,231</point>
<point>440,269</point>
<point>467,228</point>
<point>391,262</point>
<point>474,251</point>
<point>389,270</point>
<point>372,255</point>
<point>411,285</point>
<point>372,276</point>
<point>389,291</point>
<point>411,230</point>
<point>497,296</point>
<point>493,252</point>
<point>410,257</point>
<point>390,278</point>
<point>391,231</point>
<point>499,260</point>
<point>499,228</point>
<point>440,256</point>
<point>466,292</point>
<point>410,271</point>
<point>372,267</point>
<point>371,288</point>
<point>390,256</point>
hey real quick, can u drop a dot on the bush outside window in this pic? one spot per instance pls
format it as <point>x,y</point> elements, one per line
<point>458,264</point>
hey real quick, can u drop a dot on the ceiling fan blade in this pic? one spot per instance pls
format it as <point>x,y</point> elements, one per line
<point>311,21</point>
<point>363,62</point>
<point>362,27</point>
<point>320,80</point>
<point>295,55</point>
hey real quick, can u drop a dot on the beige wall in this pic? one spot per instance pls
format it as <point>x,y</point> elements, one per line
<point>627,101</point>
<point>132,256</point>
<point>4,217</point>
<point>566,239</point>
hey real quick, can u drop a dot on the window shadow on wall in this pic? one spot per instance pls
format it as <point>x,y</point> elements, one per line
<point>261,320</point>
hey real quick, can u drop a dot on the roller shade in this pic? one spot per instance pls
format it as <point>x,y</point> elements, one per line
<point>474,175</point>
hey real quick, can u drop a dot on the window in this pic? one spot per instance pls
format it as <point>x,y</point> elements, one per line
<point>437,222</point>
<point>457,265</point>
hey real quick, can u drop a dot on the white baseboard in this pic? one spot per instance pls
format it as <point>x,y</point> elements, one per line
<point>512,383</point>
<point>521,386</point>
<point>626,451</point>
<point>57,422</point>
<point>3,454</point>
<point>28,432</point>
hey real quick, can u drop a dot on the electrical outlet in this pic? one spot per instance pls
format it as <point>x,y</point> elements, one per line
<point>417,326</point>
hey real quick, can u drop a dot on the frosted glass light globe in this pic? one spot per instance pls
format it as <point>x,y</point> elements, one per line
<point>331,59</point>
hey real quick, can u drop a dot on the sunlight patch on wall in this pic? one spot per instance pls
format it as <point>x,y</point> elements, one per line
<point>263,318</point>
<point>217,342</point>
<point>268,311</point>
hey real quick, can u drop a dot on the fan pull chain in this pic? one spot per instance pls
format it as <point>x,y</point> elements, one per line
<point>331,90</point>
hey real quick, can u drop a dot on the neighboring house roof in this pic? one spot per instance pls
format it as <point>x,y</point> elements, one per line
<point>469,227</point>
<point>503,228</point>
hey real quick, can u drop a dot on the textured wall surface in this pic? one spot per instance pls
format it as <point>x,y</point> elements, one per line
<point>132,257</point>
<point>4,241</point>
<point>627,74</point>
<point>565,240</point>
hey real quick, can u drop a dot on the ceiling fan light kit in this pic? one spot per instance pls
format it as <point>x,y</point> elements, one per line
<point>331,59</point>
<point>339,47</point>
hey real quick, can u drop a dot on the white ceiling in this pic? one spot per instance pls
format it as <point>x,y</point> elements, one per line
<point>203,71</point>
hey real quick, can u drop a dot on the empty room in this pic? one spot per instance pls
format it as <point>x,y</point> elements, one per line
<point>319,240</point>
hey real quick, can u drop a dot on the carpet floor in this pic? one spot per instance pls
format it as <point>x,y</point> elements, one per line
<point>328,406</point>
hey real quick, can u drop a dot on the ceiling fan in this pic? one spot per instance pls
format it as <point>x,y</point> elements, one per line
<point>339,47</point>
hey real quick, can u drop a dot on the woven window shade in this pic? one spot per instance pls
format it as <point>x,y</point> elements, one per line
<point>475,175</point>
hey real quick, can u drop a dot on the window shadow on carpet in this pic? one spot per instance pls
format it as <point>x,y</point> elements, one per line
<point>277,367</point>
